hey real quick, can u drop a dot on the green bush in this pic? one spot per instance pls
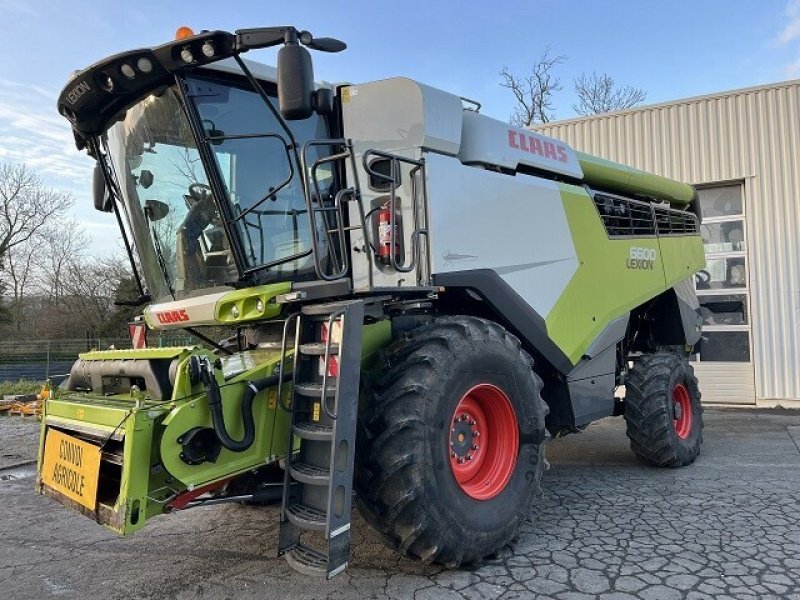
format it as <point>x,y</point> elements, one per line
<point>23,386</point>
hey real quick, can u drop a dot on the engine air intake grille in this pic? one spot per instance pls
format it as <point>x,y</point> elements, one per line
<point>624,217</point>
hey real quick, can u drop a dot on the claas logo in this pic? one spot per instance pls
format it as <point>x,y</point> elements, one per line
<point>172,316</point>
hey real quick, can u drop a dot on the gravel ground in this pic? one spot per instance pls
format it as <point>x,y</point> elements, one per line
<point>606,527</point>
<point>19,440</point>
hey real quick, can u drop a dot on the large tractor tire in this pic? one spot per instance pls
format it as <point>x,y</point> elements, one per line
<point>662,410</point>
<point>450,450</point>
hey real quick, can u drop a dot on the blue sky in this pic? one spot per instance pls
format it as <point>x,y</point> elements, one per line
<point>670,49</point>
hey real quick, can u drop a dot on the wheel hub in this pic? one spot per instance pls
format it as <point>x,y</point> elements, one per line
<point>483,442</point>
<point>463,437</point>
<point>677,411</point>
<point>682,411</point>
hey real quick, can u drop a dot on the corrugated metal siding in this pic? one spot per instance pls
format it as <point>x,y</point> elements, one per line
<point>751,135</point>
<point>726,383</point>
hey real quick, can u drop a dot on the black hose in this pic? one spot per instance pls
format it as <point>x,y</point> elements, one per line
<point>215,404</point>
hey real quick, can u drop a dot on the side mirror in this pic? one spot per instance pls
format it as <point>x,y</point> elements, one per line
<point>155,210</point>
<point>146,178</point>
<point>295,82</point>
<point>102,198</point>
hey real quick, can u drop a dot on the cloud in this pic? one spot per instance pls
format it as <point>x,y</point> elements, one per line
<point>791,31</point>
<point>18,6</point>
<point>789,35</point>
<point>33,133</point>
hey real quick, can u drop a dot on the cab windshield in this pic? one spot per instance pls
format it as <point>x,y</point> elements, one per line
<point>171,211</point>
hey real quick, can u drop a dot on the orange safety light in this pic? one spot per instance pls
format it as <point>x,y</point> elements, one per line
<point>183,33</point>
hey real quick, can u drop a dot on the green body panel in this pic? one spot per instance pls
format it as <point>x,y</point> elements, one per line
<point>236,307</point>
<point>246,302</point>
<point>272,424</point>
<point>135,422</point>
<point>601,173</point>
<point>604,287</point>
<point>682,257</point>
<point>152,472</point>
<point>140,354</point>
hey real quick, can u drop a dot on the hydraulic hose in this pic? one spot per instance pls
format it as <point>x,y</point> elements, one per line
<point>215,404</point>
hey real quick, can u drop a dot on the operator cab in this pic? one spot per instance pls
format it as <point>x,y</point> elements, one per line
<point>208,176</point>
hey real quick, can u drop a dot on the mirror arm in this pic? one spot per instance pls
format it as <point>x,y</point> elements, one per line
<point>261,37</point>
<point>260,91</point>
<point>112,191</point>
<point>276,113</point>
<point>144,297</point>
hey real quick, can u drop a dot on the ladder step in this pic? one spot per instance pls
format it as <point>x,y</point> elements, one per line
<point>314,389</point>
<point>307,560</point>
<point>311,474</point>
<point>313,431</point>
<point>318,349</point>
<point>307,517</point>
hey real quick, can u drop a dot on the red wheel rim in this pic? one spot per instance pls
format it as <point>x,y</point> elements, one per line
<point>483,442</point>
<point>682,411</point>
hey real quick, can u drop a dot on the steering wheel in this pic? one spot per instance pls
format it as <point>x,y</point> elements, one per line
<point>200,192</point>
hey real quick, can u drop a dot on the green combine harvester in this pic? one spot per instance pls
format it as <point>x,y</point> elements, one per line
<point>416,297</point>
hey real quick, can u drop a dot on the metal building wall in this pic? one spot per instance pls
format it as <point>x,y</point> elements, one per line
<point>750,135</point>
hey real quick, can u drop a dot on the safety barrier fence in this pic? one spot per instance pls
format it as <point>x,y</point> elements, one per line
<point>38,360</point>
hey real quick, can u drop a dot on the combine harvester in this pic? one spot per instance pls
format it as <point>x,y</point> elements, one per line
<point>418,296</point>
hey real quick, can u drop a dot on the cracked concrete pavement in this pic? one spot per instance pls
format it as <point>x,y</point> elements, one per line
<point>605,527</point>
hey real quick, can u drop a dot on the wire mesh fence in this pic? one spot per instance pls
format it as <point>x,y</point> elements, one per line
<point>38,360</point>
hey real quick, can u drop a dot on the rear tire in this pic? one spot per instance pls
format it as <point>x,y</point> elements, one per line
<point>410,432</point>
<point>662,410</point>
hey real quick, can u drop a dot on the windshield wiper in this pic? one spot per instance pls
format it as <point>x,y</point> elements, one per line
<point>161,261</point>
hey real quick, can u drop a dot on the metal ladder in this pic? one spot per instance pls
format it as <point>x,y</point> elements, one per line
<point>327,367</point>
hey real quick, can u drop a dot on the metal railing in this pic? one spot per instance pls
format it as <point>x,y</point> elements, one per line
<point>38,360</point>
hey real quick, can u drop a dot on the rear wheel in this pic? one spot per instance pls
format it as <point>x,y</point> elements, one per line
<point>662,410</point>
<point>450,451</point>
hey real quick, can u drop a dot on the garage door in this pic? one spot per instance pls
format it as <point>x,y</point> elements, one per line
<point>724,360</point>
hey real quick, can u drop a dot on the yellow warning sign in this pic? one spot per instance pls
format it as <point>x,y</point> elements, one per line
<point>71,467</point>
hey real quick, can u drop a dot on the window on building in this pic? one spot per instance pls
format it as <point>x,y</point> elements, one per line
<point>723,287</point>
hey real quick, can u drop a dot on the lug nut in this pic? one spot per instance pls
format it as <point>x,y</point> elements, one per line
<point>472,422</point>
<point>469,456</point>
<point>476,433</point>
<point>475,447</point>
<point>460,460</point>
<point>453,453</point>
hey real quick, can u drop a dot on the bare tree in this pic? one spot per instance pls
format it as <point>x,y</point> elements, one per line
<point>26,205</point>
<point>599,94</point>
<point>89,289</point>
<point>20,273</point>
<point>534,92</point>
<point>64,245</point>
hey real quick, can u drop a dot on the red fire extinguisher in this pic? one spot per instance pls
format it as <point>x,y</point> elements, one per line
<point>385,235</point>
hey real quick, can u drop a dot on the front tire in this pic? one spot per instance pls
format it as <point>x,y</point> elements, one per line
<point>435,490</point>
<point>663,414</point>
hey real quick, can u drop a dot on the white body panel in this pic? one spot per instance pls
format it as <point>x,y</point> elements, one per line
<point>487,141</point>
<point>478,219</point>
<point>515,226</point>
<point>403,117</point>
<point>197,310</point>
<point>397,114</point>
